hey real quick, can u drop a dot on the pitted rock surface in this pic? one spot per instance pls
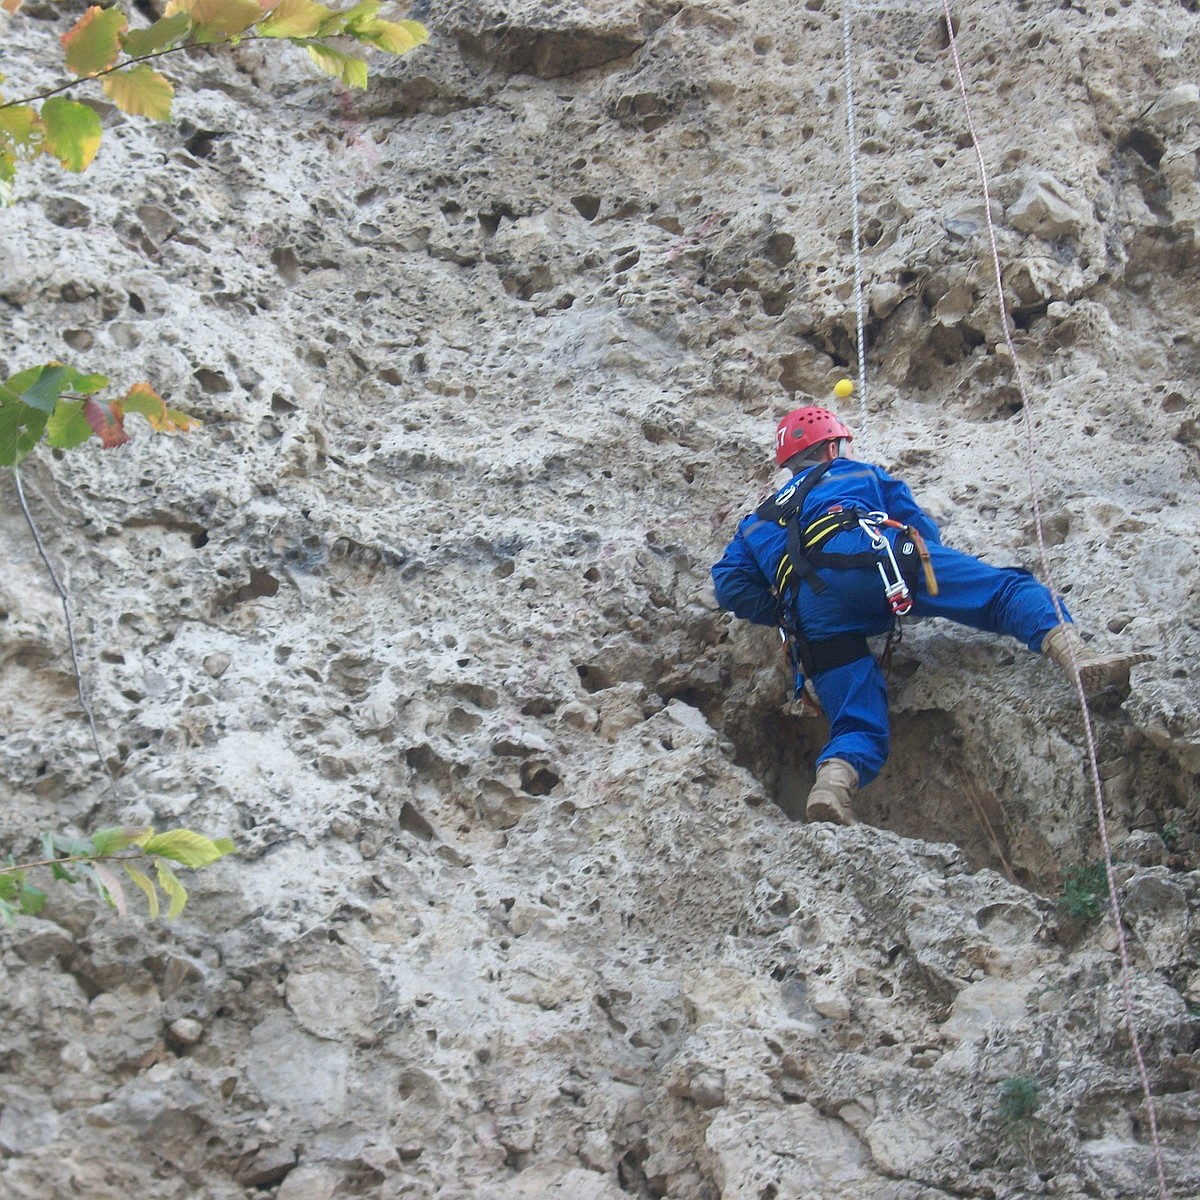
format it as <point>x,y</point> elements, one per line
<point>489,359</point>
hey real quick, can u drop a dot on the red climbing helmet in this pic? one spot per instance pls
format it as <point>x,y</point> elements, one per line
<point>804,427</point>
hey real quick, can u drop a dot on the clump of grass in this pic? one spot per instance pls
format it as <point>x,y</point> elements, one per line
<point>1085,891</point>
<point>1019,1099</point>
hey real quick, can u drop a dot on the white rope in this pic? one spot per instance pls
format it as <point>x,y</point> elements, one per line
<point>1093,758</point>
<point>852,142</point>
<point>61,589</point>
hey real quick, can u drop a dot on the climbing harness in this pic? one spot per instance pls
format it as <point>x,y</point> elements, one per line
<point>900,568</point>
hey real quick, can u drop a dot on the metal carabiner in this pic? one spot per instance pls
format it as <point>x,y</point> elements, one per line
<point>896,591</point>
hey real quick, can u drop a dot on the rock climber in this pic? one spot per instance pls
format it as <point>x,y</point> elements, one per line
<point>840,551</point>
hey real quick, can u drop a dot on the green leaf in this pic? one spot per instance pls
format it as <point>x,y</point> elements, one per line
<point>72,845</point>
<point>141,92</point>
<point>59,872</point>
<point>173,888</point>
<point>117,837</point>
<point>67,426</point>
<point>40,387</point>
<point>88,872</point>
<point>350,70</point>
<point>143,881</point>
<point>295,19</point>
<point>32,900</point>
<point>72,132</point>
<point>20,430</point>
<point>84,385</point>
<point>187,847</point>
<point>393,37</point>
<point>164,32</point>
<point>10,885</point>
<point>93,43</point>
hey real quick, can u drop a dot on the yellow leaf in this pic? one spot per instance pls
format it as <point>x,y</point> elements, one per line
<point>11,6</point>
<point>144,400</point>
<point>360,13</point>
<point>350,70</point>
<point>141,92</point>
<point>217,19</point>
<point>20,127</point>
<point>143,881</point>
<point>93,43</point>
<point>173,888</point>
<point>187,847</point>
<point>72,132</point>
<point>393,37</point>
<point>295,18</point>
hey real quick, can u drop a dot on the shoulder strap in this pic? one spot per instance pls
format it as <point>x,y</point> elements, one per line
<point>781,507</point>
<point>784,508</point>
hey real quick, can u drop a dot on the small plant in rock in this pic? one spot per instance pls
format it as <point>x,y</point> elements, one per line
<point>1019,1100</point>
<point>1085,891</point>
<point>88,859</point>
<point>1170,835</point>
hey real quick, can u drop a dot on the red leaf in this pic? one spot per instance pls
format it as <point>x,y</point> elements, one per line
<point>108,422</point>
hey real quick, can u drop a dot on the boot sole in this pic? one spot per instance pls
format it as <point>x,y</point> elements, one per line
<point>823,811</point>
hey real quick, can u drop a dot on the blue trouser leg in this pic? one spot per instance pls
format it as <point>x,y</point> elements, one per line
<point>997,600</point>
<point>1002,600</point>
<point>854,697</point>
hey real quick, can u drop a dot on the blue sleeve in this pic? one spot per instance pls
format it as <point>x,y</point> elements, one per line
<point>741,586</point>
<point>900,505</point>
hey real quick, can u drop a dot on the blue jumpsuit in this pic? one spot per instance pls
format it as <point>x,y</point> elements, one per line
<point>854,696</point>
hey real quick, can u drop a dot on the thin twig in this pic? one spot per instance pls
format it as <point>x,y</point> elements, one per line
<point>130,62</point>
<point>66,607</point>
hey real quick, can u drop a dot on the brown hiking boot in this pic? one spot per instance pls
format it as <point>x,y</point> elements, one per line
<point>1097,672</point>
<point>829,799</point>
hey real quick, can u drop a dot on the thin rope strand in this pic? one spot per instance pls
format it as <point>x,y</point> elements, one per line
<point>66,607</point>
<point>852,141</point>
<point>1030,454</point>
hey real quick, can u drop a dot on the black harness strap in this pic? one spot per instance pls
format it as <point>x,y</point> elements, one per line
<point>784,509</point>
<point>799,566</point>
<point>908,560</point>
<point>830,652</point>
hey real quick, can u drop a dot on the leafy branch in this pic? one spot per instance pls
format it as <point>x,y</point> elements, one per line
<point>101,46</point>
<point>71,860</point>
<point>61,402</point>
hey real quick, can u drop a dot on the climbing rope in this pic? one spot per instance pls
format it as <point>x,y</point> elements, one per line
<point>855,231</point>
<point>1089,734</point>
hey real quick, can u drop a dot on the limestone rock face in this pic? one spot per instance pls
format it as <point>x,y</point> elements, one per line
<point>489,359</point>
